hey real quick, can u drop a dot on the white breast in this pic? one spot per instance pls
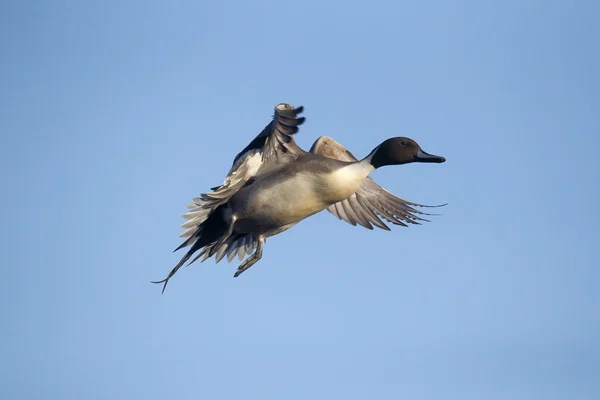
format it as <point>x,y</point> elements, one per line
<point>346,180</point>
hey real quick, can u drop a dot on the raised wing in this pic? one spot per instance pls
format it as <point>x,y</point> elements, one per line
<point>275,144</point>
<point>277,139</point>
<point>370,203</point>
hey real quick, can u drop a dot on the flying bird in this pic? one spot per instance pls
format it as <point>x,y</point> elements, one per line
<point>274,184</point>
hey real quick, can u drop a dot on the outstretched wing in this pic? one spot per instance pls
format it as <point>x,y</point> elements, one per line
<point>275,144</point>
<point>370,203</point>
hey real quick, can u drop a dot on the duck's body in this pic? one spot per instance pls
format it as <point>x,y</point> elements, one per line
<point>274,184</point>
<point>294,191</point>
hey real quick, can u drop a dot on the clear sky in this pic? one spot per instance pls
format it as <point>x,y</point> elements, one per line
<point>113,115</point>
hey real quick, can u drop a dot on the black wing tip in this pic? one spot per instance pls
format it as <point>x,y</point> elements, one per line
<point>426,206</point>
<point>286,110</point>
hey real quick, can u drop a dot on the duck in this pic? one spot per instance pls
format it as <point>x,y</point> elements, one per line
<point>273,185</point>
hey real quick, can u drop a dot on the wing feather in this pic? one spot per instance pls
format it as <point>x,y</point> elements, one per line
<point>274,143</point>
<point>371,203</point>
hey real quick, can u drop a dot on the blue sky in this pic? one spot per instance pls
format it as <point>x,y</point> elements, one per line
<point>114,114</point>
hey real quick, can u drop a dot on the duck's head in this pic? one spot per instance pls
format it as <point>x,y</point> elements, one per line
<point>401,150</point>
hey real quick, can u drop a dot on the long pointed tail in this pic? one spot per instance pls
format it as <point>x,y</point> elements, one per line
<point>214,229</point>
<point>176,268</point>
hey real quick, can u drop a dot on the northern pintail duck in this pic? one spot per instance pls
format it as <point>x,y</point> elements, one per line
<point>274,184</point>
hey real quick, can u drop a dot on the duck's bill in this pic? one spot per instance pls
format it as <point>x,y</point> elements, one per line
<point>422,156</point>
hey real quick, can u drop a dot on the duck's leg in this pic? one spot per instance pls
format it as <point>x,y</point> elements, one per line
<point>253,259</point>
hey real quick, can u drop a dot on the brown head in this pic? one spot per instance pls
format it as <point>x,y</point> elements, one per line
<point>400,150</point>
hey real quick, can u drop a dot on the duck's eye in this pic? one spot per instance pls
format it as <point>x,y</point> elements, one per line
<point>403,143</point>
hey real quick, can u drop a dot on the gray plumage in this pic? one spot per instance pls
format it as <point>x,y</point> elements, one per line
<point>273,185</point>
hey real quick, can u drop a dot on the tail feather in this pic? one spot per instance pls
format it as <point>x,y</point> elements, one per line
<point>188,242</point>
<point>214,237</point>
<point>183,260</point>
<point>212,230</point>
<point>222,252</point>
